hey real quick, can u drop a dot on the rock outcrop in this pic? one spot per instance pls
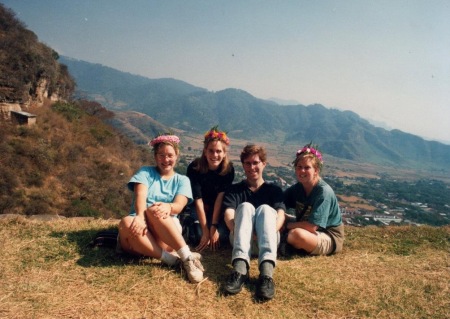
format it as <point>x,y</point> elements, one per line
<point>6,108</point>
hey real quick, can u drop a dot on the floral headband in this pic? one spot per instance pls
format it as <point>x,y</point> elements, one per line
<point>172,139</point>
<point>308,149</point>
<point>215,134</point>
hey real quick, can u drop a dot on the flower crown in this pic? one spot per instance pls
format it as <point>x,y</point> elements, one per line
<point>308,149</point>
<point>215,134</point>
<point>165,138</point>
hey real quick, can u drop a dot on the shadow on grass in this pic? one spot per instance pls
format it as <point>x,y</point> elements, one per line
<point>96,256</point>
<point>216,263</point>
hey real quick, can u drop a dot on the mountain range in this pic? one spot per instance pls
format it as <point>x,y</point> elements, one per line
<point>176,104</point>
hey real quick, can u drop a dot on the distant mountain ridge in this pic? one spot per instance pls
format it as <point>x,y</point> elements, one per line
<point>178,104</point>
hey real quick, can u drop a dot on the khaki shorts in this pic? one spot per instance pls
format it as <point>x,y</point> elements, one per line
<point>324,245</point>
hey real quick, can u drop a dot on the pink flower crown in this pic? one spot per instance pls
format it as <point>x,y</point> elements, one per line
<point>215,134</point>
<point>308,149</point>
<point>172,139</point>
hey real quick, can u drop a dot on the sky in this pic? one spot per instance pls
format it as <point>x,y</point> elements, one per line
<point>386,60</point>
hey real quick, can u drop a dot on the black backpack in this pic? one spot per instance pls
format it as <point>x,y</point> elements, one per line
<point>191,230</point>
<point>105,238</point>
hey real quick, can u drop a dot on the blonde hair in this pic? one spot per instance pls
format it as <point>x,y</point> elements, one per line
<point>317,164</point>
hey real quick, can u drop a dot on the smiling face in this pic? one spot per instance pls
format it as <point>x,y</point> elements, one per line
<point>215,152</point>
<point>253,168</point>
<point>166,158</point>
<point>306,172</point>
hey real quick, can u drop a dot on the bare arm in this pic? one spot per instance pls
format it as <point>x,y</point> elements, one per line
<point>280,218</point>
<point>214,233</point>
<point>164,210</point>
<point>201,215</point>
<point>217,206</point>
<point>139,226</point>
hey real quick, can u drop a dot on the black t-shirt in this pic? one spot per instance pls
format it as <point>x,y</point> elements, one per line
<point>269,194</point>
<point>207,186</point>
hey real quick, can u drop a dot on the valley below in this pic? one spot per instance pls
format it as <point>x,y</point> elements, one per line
<point>368,194</point>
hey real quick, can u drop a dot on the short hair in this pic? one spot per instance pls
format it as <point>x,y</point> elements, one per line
<point>253,149</point>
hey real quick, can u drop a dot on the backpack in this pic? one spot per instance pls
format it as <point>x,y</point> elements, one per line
<point>105,238</point>
<point>191,230</point>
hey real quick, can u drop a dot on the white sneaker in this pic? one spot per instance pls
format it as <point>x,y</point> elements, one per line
<point>194,269</point>
<point>196,255</point>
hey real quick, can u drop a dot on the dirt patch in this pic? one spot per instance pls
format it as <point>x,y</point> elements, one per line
<point>355,202</point>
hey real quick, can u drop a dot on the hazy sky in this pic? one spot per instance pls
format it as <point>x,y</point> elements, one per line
<point>388,61</point>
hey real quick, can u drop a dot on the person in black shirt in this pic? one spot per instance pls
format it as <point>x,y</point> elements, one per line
<point>254,213</point>
<point>210,175</point>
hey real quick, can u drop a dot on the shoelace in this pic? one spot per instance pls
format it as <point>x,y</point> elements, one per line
<point>198,264</point>
<point>266,281</point>
<point>234,277</point>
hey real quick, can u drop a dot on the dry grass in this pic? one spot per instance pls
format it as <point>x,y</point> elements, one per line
<point>46,271</point>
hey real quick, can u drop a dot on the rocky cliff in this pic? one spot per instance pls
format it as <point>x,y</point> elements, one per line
<point>29,70</point>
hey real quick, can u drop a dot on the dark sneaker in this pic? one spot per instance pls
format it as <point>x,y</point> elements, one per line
<point>265,288</point>
<point>235,281</point>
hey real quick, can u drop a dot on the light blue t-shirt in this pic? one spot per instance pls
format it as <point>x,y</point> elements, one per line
<point>160,190</point>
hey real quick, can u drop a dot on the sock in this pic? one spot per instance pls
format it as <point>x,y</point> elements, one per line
<point>168,258</point>
<point>184,252</point>
<point>266,268</point>
<point>240,265</point>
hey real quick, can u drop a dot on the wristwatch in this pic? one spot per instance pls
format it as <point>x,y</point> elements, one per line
<point>215,225</point>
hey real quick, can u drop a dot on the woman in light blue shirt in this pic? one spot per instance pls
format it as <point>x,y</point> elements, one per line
<point>152,228</point>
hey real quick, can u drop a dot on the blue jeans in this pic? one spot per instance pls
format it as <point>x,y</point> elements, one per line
<point>250,221</point>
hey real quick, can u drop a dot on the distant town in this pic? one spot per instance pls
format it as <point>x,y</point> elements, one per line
<point>379,201</point>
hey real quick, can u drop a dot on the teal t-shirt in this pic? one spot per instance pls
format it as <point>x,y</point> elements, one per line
<point>160,190</point>
<point>320,208</point>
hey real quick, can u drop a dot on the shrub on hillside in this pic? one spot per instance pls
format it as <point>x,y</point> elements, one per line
<point>68,110</point>
<point>40,201</point>
<point>69,163</point>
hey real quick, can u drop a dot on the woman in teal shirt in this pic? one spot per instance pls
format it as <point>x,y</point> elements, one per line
<point>317,227</point>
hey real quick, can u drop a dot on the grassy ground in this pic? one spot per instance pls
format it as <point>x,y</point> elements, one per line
<point>47,271</point>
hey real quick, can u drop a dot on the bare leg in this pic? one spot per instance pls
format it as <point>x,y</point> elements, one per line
<point>229,219</point>
<point>302,239</point>
<point>145,245</point>
<point>166,231</point>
